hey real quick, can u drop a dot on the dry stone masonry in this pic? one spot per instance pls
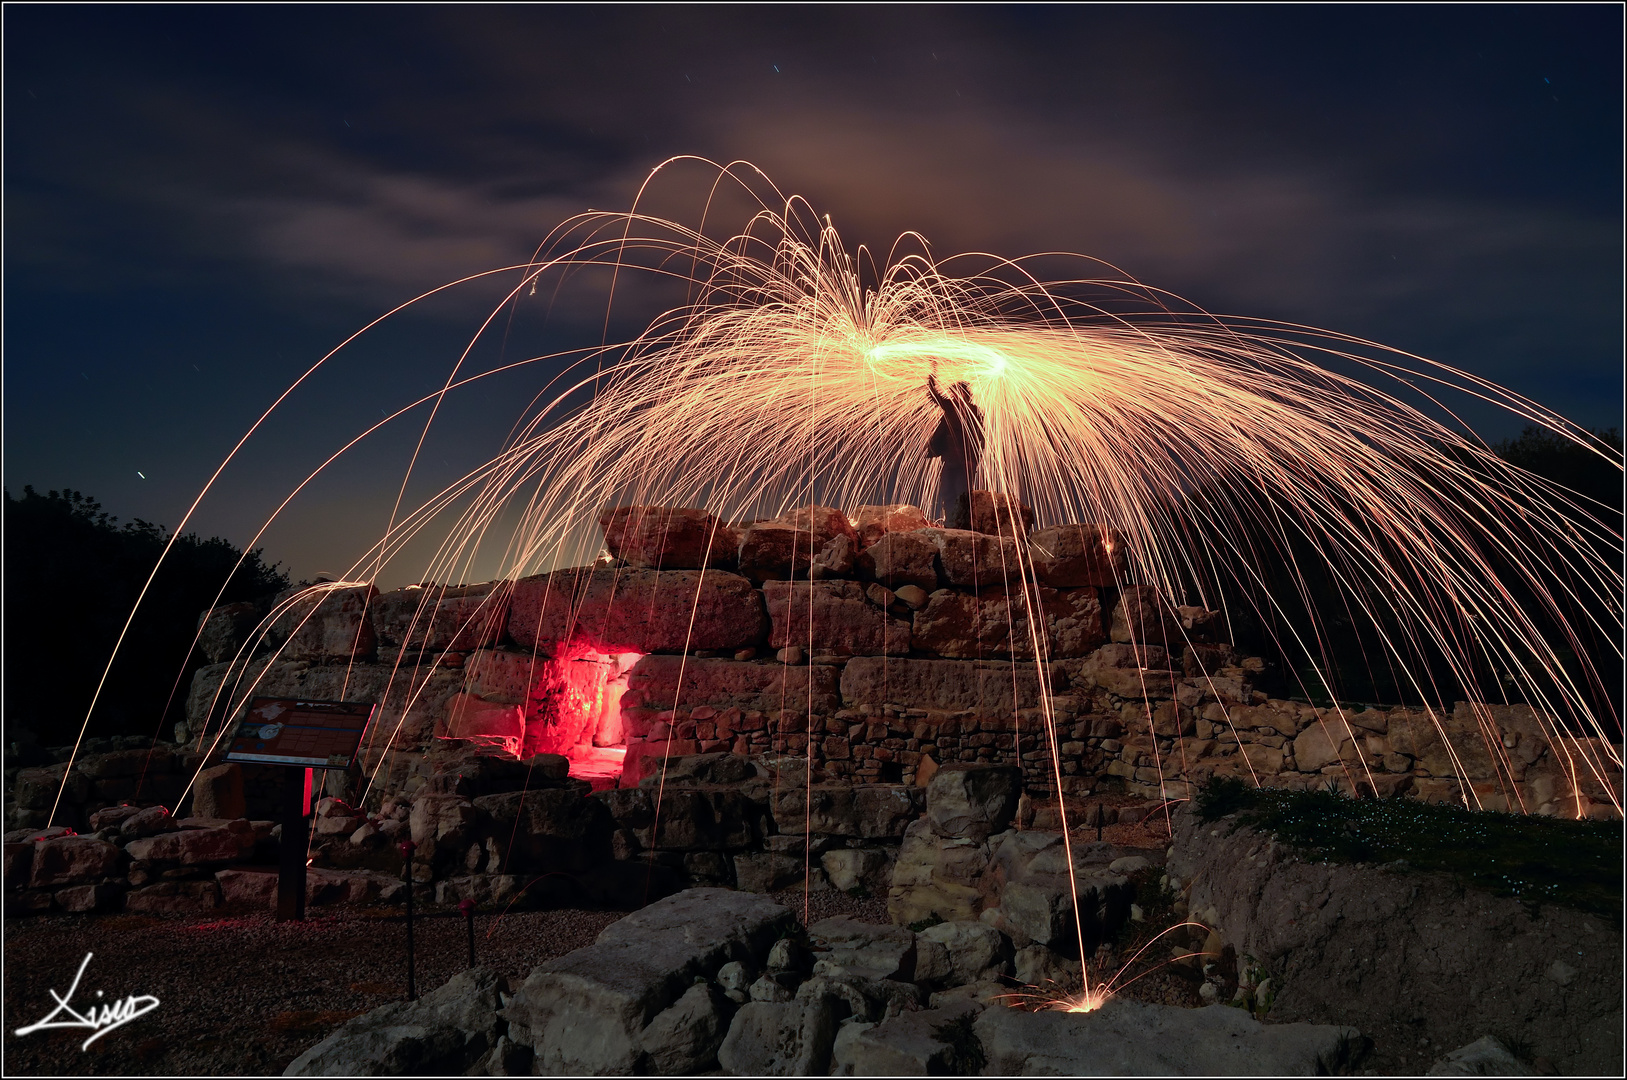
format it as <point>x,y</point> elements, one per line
<point>848,702</point>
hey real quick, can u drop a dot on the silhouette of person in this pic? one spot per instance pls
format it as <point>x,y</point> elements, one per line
<point>958,440</point>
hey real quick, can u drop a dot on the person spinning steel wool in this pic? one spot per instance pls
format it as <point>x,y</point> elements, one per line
<point>958,440</point>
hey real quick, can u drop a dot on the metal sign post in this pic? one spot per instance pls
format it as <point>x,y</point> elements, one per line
<point>302,736</point>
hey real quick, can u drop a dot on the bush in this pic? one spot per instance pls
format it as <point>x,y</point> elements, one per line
<point>72,576</point>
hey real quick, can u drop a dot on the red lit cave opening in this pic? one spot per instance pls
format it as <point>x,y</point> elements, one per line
<point>576,711</point>
<point>568,703</point>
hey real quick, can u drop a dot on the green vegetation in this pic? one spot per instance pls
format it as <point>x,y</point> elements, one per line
<point>922,924</point>
<point>72,576</point>
<point>1539,860</point>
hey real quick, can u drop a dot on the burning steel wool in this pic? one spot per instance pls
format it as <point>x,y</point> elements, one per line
<point>1227,456</point>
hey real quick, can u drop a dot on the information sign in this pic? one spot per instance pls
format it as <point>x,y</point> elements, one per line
<point>314,734</point>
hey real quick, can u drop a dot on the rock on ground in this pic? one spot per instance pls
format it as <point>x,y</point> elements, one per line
<point>1405,955</point>
<point>791,1038</point>
<point>1130,1038</point>
<point>908,1044</point>
<point>586,1012</point>
<point>445,1032</point>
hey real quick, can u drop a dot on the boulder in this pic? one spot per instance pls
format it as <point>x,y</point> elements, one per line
<point>327,621</point>
<point>548,829</point>
<point>446,1032</point>
<point>87,898</point>
<point>835,560</point>
<point>226,843</point>
<point>768,871</point>
<point>668,538</point>
<point>218,793</point>
<point>775,551</point>
<point>37,788</point>
<point>147,822</point>
<point>901,559</point>
<point>646,611</point>
<point>936,877</point>
<point>976,559</point>
<point>715,817</point>
<point>1073,555</point>
<point>985,687</point>
<point>1130,1038</point>
<point>1313,748</point>
<point>224,630</point>
<point>868,951</point>
<point>792,1038</point>
<point>910,1044</point>
<point>112,817</point>
<point>999,514</point>
<point>868,811</point>
<point>866,871</point>
<point>74,860</point>
<point>874,522</point>
<point>441,618</point>
<point>253,889</point>
<point>843,621</point>
<point>1143,616</point>
<point>1035,897</point>
<point>683,1039</point>
<point>974,951</point>
<point>972,802</point>
<point>585,1012</point>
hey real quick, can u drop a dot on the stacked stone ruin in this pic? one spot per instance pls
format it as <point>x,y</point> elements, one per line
<point>760,744</point>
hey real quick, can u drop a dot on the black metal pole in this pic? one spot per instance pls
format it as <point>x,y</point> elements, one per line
<point>468,909</point>
<point>292,848</point>
<point>407,847</point>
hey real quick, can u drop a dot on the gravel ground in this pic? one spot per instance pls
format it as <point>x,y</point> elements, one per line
<point>246,995</point>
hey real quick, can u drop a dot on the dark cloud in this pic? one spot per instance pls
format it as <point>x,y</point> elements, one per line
<point>1446,180</point>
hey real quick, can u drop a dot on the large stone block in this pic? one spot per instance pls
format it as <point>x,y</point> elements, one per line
<point>669,538</point>
<point>447,1032</point>
<point>585,1013</point>
<point>1131,1038</point>
<point>225,630</point>
<point>440,618</point>
<point>1071,555</point>
<point>937,877</point>
<point>654,683</point>
<point>874,522</point>
<point>909,1044</point>
<point>897,559</point>
<point>868,811</point>
<point>843,621</point>
<point>995,622</point>
<point>1142,616</point>
<point>175,898</point>
<point>196,847</point>
<point>792,1038</point>
<point>972,802</point>
<point>975,559</point>
<point>218,793</point>
<point>712,818</point>
<point>74,860</point>
<point>950,685</point>
<point>647,611</point>
<point>998,514</point>
<point>325,622</point>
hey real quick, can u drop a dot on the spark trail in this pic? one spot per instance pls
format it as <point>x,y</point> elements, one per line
<point>1221,450</point>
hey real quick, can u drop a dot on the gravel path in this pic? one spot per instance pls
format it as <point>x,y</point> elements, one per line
<point>247,995</point>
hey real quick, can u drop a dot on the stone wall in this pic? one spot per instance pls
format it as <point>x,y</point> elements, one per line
<point>878,646</point>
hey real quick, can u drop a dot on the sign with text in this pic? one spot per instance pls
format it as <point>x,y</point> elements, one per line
<point>286,731</point>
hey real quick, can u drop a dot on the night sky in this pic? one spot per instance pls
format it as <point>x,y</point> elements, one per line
<point>201,202</point>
